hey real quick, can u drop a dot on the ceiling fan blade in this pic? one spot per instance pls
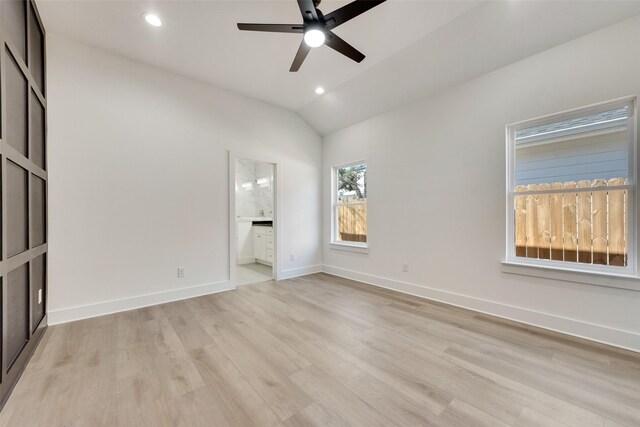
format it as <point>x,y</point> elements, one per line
<point>337,44</point>
<point>272,28</point>
<point>302,53</point>
<point>348,12</point>
<point>308,11</point>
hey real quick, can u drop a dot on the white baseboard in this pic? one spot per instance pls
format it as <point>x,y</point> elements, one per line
<point>70,314</point>
<point>246,260</point>
<point>603,334</point>
<point>301,271</point>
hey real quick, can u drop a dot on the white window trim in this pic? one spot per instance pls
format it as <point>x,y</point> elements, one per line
<point>611,280</point>
<point>362,248</point>
<point>601,275</point>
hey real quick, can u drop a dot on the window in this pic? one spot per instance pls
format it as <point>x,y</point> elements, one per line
<point>571,189</point>
<point>350,205</point>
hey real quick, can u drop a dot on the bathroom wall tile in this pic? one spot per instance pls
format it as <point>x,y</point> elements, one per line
<point>254,189</point>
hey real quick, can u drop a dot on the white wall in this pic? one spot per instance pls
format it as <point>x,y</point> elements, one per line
<point>138,181</point>
<point>436,182</point>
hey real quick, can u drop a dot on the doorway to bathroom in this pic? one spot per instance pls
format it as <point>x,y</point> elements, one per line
<point>254,220</point>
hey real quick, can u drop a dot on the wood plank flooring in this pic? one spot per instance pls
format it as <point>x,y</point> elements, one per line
<point>319,350</point>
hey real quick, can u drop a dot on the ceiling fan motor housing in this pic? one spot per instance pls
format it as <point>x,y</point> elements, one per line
<point>316,28</point>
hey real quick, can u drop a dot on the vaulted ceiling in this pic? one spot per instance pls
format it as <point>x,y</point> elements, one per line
<point>413,47</point>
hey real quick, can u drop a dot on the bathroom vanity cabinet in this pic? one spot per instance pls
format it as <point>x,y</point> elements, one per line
<point>263,244</point>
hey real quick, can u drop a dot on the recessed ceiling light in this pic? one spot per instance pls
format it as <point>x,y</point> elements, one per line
<point>314,38</point>
<point>153,19</point>
<point>319,90</point>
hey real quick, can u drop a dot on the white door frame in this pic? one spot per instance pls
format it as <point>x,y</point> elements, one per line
<point>277,198</point>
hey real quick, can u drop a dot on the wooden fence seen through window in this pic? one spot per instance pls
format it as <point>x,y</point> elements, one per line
<point>352,220</point>
<point>583,226</point>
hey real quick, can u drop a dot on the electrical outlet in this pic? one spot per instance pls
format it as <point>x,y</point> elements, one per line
<point>405,267</point>
<point>180,271</point>
<point>293,257</point>
<point>39,296</point>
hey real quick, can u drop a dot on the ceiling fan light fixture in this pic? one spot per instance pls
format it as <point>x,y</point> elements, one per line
<point>317,28</point>
<point>314,37</point>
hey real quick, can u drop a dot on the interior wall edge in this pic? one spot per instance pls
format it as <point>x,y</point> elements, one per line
<point>619,338</point>
<point>300,271</point>
<point>71,314</point>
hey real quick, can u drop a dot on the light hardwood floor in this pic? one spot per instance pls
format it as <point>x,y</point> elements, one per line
<point>247,274</point>
<point>319,350</point>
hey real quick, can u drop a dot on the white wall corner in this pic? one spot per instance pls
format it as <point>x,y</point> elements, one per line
<point>627,340</point>
<point>300,271</point>
<point>71,314</point>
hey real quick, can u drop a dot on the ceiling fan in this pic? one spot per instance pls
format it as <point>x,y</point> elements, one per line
<point>316,28</point>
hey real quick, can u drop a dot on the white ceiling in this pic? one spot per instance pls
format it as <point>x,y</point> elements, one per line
<point>200,39</point>
<point>413,47</point>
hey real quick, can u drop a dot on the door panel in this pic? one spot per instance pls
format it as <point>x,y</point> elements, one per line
<point>16,102</point>
<point>17,311</point>
<point>14,23</point>
<point>17,209</point>
<point>23,178</point>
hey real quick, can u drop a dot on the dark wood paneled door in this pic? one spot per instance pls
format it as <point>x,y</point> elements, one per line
<point>23,171</point>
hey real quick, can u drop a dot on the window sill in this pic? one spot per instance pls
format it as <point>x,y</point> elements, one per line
<point>362,249</point>
<point>597,278</point>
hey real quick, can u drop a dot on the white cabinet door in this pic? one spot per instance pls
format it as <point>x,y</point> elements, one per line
<point>244,242</point>
<point>263,243</point>
<point>263,248</point>
<point>257,245</point>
